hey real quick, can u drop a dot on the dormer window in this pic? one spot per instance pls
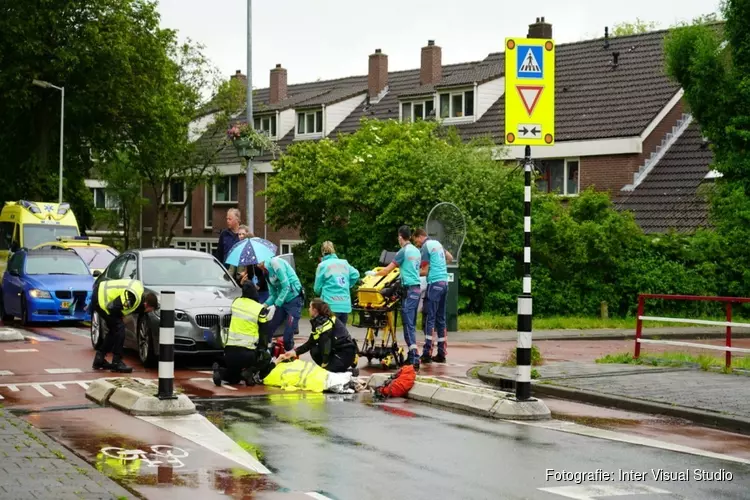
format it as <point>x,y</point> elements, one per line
<point>458,104</point>
<point>310,123</point>
<point>417,110</point>
<point>266,124</point>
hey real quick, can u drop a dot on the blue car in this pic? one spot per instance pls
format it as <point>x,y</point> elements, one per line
<point>46,286</point>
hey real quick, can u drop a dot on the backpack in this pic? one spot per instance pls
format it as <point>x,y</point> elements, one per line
<point>399,384</point>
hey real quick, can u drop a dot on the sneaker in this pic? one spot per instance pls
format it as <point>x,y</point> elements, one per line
<point>425,359</point>
<point>439,358</point>
<point>100,362</point>
<point>119,367</point>
<point>416,366</point>
<point>216,374</point>
<point>248,377</point>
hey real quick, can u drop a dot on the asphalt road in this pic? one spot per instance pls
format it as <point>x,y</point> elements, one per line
<point>346,449</point>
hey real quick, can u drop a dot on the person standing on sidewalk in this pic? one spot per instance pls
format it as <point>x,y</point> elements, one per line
<point>228,236</point>
<point>286,296</point>
<point>435,256</point>
<point>407,259</point>
<point>113,300</point>
<point>334,279</point>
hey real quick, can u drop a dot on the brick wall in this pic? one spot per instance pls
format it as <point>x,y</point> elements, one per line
<point>613,172</point>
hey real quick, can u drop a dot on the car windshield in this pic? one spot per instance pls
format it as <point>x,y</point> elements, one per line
<point>36,234</point>
<point>184,271</point>
<point>64,263</point>
<point>96,258</point>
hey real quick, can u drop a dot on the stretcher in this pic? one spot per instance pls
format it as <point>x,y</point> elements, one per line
<point>375,307</point>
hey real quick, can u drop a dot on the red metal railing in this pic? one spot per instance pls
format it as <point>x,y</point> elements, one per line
<point>728,323</point>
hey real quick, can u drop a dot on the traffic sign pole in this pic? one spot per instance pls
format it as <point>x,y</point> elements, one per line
<point>523,325</point>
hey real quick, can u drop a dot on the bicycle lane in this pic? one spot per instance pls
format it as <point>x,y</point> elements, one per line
<point>152,461</point>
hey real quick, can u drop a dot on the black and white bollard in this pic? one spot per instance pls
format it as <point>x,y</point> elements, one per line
<point>523,347</point>
<point>166,347</point>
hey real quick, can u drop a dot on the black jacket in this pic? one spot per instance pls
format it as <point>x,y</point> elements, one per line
<point>328,337</point>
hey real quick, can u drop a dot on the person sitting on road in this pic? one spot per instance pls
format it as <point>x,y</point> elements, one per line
<point>330,344</point>
<point>113,300</point>
<point>246,351</point>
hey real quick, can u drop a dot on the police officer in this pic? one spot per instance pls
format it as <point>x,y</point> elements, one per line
<point>330,344</point>
<point>407,260</point>
<point>287,297</point>
<point>434,256</point>
<point>333,280</point>
<point>113,300</point>
<point>246,351</point>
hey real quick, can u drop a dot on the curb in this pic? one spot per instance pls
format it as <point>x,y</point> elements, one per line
<point>455,397</point>
<point>703,417</point>
<point>138,399</point>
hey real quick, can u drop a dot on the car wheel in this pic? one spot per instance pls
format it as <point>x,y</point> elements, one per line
<point>3,315</point>
<point>24,312</point>
<point>96,334</point>
<point>146,352</point>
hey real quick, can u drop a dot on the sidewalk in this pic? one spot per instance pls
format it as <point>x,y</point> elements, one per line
<point>33,466</point>
<point>714,399</point>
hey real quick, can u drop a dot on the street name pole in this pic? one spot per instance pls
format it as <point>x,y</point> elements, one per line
<point>249,176</point>
<point>62,127</point>
<point>523,347</point>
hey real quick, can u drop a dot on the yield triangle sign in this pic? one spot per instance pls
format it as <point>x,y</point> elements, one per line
<point>530,96</point>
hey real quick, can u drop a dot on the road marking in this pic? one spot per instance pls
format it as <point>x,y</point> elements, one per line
<point>574,428</point>
<point>59,371</point>
<point>206,372</point>
<point>21,350</point>
<point>212,381</point>
<point>2,397</point>
<point>6,372</point>
<point>12,388</point>
<point>592,491</point>
<point>317,495</point>
<point>38,338</point>
<point>41,390</point>
<point>59,386</point>
<point>84,385</point>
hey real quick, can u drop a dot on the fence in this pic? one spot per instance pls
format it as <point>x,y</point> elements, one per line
<point>728,324</point>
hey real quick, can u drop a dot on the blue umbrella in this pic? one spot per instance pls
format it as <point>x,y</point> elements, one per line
<point>250,251</point>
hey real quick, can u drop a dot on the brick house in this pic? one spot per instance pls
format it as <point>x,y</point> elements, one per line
<point>620,126</point>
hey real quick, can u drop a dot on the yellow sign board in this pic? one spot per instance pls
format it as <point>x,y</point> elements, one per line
<point>529,92</point>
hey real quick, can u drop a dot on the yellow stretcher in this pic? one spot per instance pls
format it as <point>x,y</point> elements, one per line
<point>376,308</point>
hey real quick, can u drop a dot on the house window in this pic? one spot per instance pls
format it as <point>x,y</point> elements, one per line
<point>310,122</point>
<point>266,124</point>
<point>188,222</point>
<point>457,104</point>
<point>287,245</point>
<point>559,176</point>
<point>415,111</point>
<point>208,209</point>
<point>176,192</point>
<point>103,200</point>
<point>225,189</point>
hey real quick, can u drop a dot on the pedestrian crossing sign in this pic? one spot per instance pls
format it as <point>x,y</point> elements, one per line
<point>529,92</point>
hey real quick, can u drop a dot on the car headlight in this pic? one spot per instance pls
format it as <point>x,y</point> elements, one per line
<point>40,294</point>
<point>178,315</point>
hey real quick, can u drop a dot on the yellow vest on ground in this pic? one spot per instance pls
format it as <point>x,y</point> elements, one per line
<point>243,329</point>
<point>296,375</point>
<point>110,290</point>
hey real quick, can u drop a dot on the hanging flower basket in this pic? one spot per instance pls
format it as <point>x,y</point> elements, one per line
<point>250,142</point>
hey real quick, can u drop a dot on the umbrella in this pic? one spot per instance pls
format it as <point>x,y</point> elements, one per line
<point>250,251</point>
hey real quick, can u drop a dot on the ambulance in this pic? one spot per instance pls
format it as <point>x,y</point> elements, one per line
<point>27,224</point>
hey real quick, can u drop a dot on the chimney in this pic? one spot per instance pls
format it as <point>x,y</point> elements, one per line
<point>377,76</point>
<point>432,64</point>
<point>278,85</point>
<point>540,29</point>
<point>615,58</point>
<point>239,76</point>
<point>606,37</point>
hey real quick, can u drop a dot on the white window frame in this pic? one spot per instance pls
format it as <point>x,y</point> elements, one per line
<point>565,176</point>
<point>268,131</point>
<point>188,208</point>
<point>456,119</point>
<point>423,102</point>
<point>290,243</point>
<point>110,203</point>
<point>229,186</point>
<point>208,206</point>
<point>169,193</point>
<point>205,245</point>
<point>314,113</point>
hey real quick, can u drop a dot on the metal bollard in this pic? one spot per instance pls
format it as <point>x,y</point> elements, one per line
<point>523,349</point>
<point>166,347</point>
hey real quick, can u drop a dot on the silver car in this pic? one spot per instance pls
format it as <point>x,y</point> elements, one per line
<point>204,293</point>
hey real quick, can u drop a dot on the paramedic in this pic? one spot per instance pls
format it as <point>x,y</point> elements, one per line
<point>113,300</point>
<point>285,294</point>
<point>330,344</point>
<point>407,259</point>
<point>333,280</point>
<point>246,350</point>
<point>434,256</point>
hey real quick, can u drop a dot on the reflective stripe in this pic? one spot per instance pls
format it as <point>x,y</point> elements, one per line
<point>328,325</point>
<point>441,340</point>
<point>428,337</point>
<point>413,347</point>
<point>243,329</point>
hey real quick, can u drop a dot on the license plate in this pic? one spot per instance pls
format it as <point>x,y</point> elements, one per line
<point>65,305</point>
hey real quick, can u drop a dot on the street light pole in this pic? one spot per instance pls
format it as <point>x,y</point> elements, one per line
<point>249,177</point>
<point>47,85</point>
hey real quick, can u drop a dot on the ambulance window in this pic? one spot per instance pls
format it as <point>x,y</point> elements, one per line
<point>6,234</point>
<point>36,234</point>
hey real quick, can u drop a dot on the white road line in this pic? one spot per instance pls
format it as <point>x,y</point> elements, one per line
<point>60,386</point>
<point>206,372</point>
<point>574,428</point>
<point>38,338</point>
<point>592,491</point>
<point>27,384</point>
<point>317,495</point>
<point>21,350</point>
<point>62,370</point>
<point>229,387</point>
<point>84,385</point>
<point>1,397</point>
<point>12,388</point>
<point>41,390</point>
<point>6,372</point>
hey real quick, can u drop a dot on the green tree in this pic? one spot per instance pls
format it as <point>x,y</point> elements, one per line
<point>635,28</point>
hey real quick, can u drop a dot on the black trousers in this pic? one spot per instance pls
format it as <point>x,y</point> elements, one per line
<point>238,358</point>
<point>114,341</point>
<point>339,361</point>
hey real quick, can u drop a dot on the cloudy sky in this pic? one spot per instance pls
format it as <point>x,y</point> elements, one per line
<point>332,38</point>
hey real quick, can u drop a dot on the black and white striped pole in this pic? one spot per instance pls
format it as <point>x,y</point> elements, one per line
<point>523,347</point>
<point>166,347</point>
